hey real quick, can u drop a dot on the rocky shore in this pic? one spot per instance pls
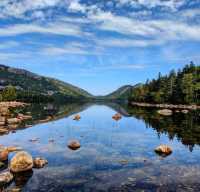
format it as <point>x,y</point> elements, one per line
<point>166,106</point>
<point>8,119</point>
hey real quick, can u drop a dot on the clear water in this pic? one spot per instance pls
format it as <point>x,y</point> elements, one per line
<point>114,155</point>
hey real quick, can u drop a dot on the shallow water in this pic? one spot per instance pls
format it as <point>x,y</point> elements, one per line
<point>114,155</point>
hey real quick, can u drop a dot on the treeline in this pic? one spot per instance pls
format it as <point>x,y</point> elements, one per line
<point>10,93</point>
<point>181,87</point>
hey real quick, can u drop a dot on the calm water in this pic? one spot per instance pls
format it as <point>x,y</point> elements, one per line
<point>114,156</point>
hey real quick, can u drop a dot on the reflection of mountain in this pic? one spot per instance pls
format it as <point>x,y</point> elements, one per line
<point>184,127</point>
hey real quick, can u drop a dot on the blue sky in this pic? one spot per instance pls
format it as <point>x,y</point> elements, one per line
<point>99,45</point>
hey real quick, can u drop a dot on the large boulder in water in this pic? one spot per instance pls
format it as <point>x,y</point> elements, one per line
<point>21,162</point>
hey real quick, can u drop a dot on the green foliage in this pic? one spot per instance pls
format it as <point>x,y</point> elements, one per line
<point>34,88</point>
<point>182,87</point>
<point>9,93</point>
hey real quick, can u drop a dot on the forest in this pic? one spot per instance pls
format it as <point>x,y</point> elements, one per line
<point>181,87</point>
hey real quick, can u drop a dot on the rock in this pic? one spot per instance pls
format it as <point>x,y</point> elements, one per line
<point>3,154</point>
<point>13,121</point>
<point>77,117</point>
<point>117,117</point>
<point>165,112</point>
<point>24,117</point>
<point>4,111</point>
<point>39,162</point>
<point>2,121</point>
<point>163,150</point>
<point>6,178</point>
<point>21,162</point>
<point>74,145</point>
<point>13,149</point>
<point>3,130</point>
<point>185,111</point>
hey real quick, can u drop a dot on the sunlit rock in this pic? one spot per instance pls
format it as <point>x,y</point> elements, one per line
<point>39,162</point>
<point>165,112</point>
<point>3,154</point>
<point>77,117</point>
<point>74,145</point>
<point>14,121</point>
<point>163,150</point>
<point>22,161</point>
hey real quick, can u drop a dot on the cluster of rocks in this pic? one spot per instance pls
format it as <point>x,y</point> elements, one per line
<point>21,162</point>
<point>167,106</point>
<point>168,112</point>
<point>9,121</point>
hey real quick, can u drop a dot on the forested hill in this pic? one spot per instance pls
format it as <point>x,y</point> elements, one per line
<point>24,85</point>
<point>181,87</point>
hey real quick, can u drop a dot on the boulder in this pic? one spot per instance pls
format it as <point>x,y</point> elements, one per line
<point>21,162</point>
<point>39,162</point>
<point>4,111</point>
<point>13,121</point>
<point>6,178</point>
<point>77,117</point>
<point>163,150</point>
<point>2,121</point>
<point>74,145</point>
<point>117,117</point>
<point>165,112</point>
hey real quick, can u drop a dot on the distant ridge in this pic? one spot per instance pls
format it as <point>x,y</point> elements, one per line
<point>30,83</point>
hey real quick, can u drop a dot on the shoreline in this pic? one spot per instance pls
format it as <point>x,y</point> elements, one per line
<point>166,106</point>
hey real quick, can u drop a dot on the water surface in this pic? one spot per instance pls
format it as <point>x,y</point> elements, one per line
<point>114,155</point>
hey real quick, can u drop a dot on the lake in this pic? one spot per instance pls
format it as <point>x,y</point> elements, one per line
<point>114,155</point>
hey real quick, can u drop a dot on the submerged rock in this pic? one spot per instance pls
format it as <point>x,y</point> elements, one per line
<point>39,162</point>
<point>6,178</point>
<point>21,162</point>
<point>77,117</point>
<point>117,117</point>
<point>165,112</point>
<point>74,145</point>
<point>163,150</point>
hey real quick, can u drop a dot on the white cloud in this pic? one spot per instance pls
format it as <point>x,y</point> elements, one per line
<point>75,48</point>
<point>53,28</point>
<point>75,6</point>
<point>172,4</point>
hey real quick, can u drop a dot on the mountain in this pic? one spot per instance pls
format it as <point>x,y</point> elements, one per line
<point>123,93</point>
<point>30,85</point>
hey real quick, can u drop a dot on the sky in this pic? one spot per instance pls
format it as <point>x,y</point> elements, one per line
<point>100,45</point>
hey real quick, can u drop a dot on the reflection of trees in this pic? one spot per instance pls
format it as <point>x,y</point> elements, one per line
<point>185,127</point>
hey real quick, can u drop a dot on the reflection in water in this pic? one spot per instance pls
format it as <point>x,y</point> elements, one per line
<point>184,127</point>
<point>114,155</point>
